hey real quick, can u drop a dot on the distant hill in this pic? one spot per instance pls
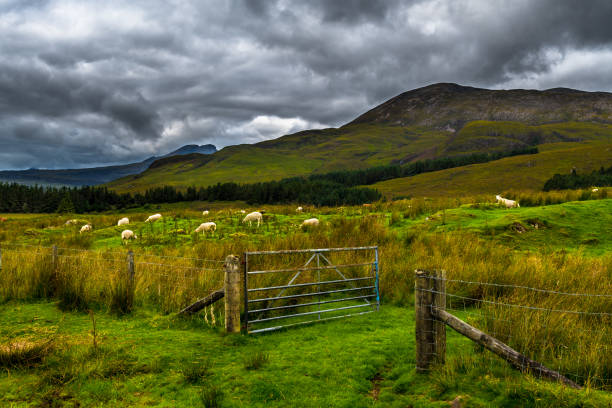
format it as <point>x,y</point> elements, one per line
<point>94,175</point>
<point>435,121</point>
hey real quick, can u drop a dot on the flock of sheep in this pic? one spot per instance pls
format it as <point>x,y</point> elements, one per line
<point>209,226</point>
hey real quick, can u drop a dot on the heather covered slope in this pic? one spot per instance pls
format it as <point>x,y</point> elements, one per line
<point>436,121</point>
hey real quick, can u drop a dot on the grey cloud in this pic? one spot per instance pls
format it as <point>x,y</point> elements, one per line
<point>111,82</point>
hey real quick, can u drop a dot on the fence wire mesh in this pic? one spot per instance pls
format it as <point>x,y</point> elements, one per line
<point>570,333</point>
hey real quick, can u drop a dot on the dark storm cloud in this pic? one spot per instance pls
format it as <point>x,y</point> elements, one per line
<point>85,83</point>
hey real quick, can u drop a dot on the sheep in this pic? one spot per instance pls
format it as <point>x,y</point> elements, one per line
<point>123,221</point>
<point>206,226</point>
<point>311,222</point>
<point>508,203</point>
<point>254,216</point>
<point>242,212</point>
<point>205,212</point>
<point>153,218</point>
<point>71,222</point>
<point>126,235</point>
<point>595,190</point>
<point>299,209</point>
<point>85,228</point>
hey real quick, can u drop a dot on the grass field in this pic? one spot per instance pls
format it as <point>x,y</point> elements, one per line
<point>51,357</point>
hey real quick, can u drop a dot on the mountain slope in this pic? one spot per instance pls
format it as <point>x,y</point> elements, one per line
<point>93,175</point>
<point>435,121</point>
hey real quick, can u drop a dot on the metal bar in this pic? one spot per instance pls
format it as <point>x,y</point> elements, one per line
<point>245,326</point>
<point>311,294</point>
<point>298,251</point>
<point>311,269</point>
<point>298,285</point>
<point>340,273</point>
<point>377,281</point>
<point>319,280</point>
<point>267,329</point>
<point>311,304</point>
<point>267,319</point>
<point>296,276</point>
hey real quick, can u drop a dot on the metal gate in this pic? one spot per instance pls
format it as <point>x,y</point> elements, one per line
<point>326,284</point>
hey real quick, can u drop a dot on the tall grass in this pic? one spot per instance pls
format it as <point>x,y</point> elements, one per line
<point>170,277</point>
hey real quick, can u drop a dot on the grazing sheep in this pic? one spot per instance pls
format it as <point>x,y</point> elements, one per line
<point>242,212</point>
<point>126,235</point>
<point>254,216</point>
<point>123,221</point>
<point>71,222</point>
<point>299,209</point>
<point>508,203</point>
<point>206,226</point>
<point>595,190</point>
<point>85,228</point>
<point>311,222</point>
<point>153,218</point>
<point>205,212</point>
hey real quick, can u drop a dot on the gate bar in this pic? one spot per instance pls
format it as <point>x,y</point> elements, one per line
<point>245,260</point>
<point>309,321</point>
<point>297,285</point>
<point>267,319</point>
<point>311,304</point>
<point>311,294</point>
<point>310,269</point>
<point>296,251</point>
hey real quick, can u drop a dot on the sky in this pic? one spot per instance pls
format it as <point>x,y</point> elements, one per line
<point>89,82</point>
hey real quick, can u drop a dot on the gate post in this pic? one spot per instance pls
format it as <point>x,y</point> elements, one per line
<point>232,294</point>
<point>430,293</point>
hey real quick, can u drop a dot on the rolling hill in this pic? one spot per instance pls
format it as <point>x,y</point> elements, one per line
<point>93,175</point>
<point>439,120</point>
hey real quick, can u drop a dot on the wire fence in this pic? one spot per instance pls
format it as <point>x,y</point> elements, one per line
<point>564,331</point>
<point>167,282</point>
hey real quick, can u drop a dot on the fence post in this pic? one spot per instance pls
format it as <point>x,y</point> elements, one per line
<point>130,265</point>
<point>54,250</point>
<point>232,294</point>
<point>430,333</point>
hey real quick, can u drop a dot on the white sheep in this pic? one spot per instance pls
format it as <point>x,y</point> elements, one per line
<point>85,228</point>
<point>508,203</point>
<point>595,190</point>
<point>254,216</point>
<point>123,221</point>
<point>311,222</point>
<point>242,212</point>
<point>126,235</point>
<point>206,226</point>
<point>153,218</point>
<point>205,212</point>
<point>299,209</point>
<point>71,222</point>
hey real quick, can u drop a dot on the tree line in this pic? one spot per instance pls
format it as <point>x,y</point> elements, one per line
<point>574,181</point>
<point>329,189</point>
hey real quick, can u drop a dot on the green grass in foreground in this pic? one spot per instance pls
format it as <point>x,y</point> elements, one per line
<point>146,360</point>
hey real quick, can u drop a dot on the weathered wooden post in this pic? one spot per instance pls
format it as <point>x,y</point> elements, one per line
<point>130,265</point>
<point>54,254</point>
<point>430,333</point>
<point>232,294</point>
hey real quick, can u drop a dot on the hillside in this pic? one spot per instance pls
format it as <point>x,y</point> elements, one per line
<point>93,175</point>
<point>435,121</point>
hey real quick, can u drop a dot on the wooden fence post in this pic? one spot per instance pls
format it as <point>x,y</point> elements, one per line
<point>430,333</point>
<point>54,253</point>
<point>130,265</point>
<point>232,294</point>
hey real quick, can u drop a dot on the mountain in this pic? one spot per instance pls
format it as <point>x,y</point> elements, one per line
<point>439,120</point>
<point>94,175</point>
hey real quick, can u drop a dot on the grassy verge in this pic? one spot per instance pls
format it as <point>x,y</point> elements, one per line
<point>358,362</point>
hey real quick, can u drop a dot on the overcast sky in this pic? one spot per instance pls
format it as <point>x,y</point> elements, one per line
<point>87,83</point>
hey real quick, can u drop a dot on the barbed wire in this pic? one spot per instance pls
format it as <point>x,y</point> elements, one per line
<point>519,287</point>
<point>517,306</point>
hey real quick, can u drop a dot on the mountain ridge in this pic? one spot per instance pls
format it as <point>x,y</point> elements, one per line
<point>95,175</point>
